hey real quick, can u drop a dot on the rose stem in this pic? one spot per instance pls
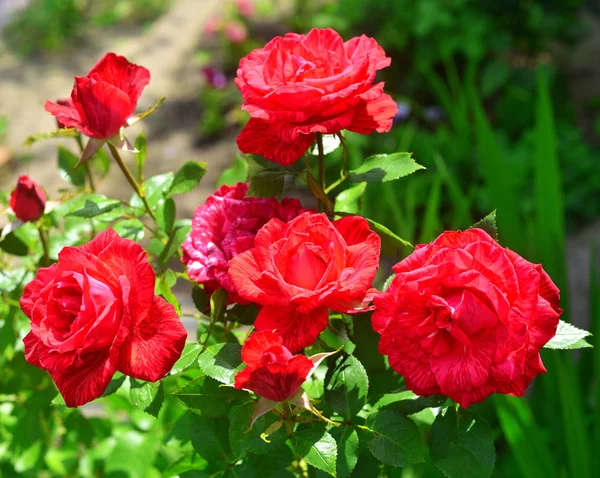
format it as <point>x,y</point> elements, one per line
<point>321,166</point>
<point>46,256</point>
<point>134,184</point>
<point>88,170</point>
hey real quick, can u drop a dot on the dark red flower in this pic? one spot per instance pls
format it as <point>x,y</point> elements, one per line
<point>104,99</point>
<point>94,313</point>
<point>225,226</point>
<point>299,270</point>
<point>299,85</point>
<point>271,370</point>
<point>28,200</point>
<point>466,318</point>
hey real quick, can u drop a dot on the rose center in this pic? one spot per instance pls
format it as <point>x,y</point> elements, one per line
<point>306,267</point>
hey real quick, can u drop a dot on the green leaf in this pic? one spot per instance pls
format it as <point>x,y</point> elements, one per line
<point>155,190</point>
<point>14,245</point>
<point>346,386</point>
<point>140,156</point>
<point>165,215</point>
<point>221,361</point>
<point>188,357</point>
<point>347,446</point>
<point>59,133</point>
<point>187,178</point>
<point>147,395</point>
<point>381,168</point>
<point>66,166</point>
<point>163,289</point>
<point>391,244</point>
<point>210,438</point>
<point>244,440</point>
<point>201,299</point>
<point>236,173</point>
<point>488,224</point>
<point>407,402</point>
<point>462,445</point>
<point>207,397</point>
<point>268,183</point>
<point>94,205</point>
<point>114,384</point>
<point>176,238</point>
<point>397,440</point>
<point>130,229</point>
<point>317,448</point>
<point>349,201</point>
<point>568,337</point>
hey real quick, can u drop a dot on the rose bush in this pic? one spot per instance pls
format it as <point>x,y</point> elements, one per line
<point>285,306</point>
<point>300,85</point>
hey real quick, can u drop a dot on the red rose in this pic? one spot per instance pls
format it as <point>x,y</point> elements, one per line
<point>28,200</point>
<point>63,102</point>
<point>94,313</point>
<point>299,270</point>
<point>104,99</point>
<point>299,85</point>
<point>466,318</point>
<point>225,226</point>
<point>272,371</point>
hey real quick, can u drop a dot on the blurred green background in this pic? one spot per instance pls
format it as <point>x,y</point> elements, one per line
<point>499,100</point>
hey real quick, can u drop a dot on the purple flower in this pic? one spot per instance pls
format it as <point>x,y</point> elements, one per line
<point>434,114</point>
<point>404,111</point>
<point>215,77</point>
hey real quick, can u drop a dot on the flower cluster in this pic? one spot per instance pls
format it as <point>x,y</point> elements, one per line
<point>462,317</point>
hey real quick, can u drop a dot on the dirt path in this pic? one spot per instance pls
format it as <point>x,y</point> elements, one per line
<point>166,49</point>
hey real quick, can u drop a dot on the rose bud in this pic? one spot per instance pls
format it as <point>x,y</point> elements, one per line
<point>28,200</point>
<point>94,313</point>
<point>271,370</point>
<point>299,270</point>
<point>104,99</point>
<point>225,226</point>
<point>299,85</point>
<point>466,318</point>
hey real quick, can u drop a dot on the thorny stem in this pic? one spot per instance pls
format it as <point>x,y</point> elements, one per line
<point>44,240</point>
<point>132,181</point>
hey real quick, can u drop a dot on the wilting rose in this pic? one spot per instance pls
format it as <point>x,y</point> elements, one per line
<point>299,270</point>
<point>466,318</point>
<point>225,226</point>
<point>271,370</point>
<point>28,200</point>
<point>104,99</point>
<point>299,85</point>
<point>95,313</point>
